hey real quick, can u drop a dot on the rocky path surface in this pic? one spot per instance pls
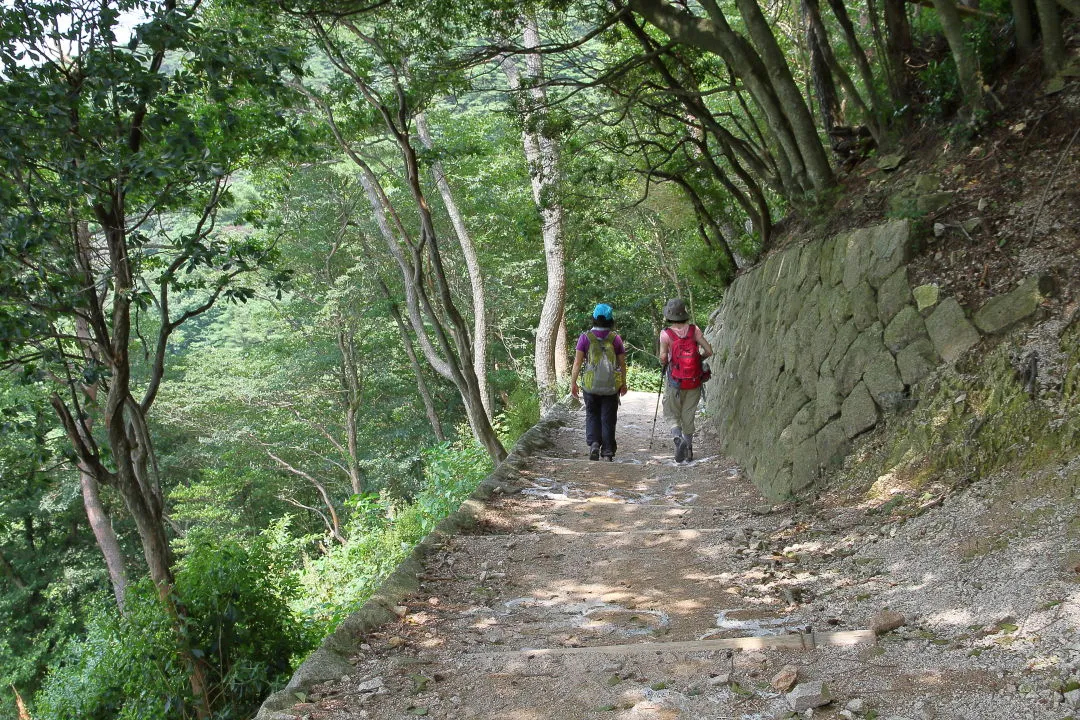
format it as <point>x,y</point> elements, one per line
<point>646,589</point>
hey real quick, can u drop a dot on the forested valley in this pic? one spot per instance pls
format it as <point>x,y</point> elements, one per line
<point>282,281</point>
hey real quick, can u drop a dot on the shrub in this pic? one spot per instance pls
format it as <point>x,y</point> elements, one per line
<point>968,426</point>
<point>521,413</point>
<point>643,379</point>
<point>238,623</point>
<point>382,532</point>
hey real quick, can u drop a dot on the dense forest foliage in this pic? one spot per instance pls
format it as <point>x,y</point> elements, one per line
<point>281,281</point>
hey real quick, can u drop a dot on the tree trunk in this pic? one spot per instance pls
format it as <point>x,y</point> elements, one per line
<point>898,48</point>
<point>126,430</point>
<point>562,350</point>
<point>820,73</point>
<point>704,217</point>
<point>732,148</point>
<point>458,364</point>
<point>839,72</point>
<point>106,538</point>
<point>966,69</point>
<point>861,62</point>
<point>472,263</point>
<point>438,309</point>
<point>542,154</point>
<point>351,388</point>
<point>1022,27</point>
<point>813,152</point>
<point>421,384</point>
<point>96,515</point>
<point>717,37</point>
<point>1053,42</point>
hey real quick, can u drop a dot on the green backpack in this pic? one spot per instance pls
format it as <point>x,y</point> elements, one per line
<point>600,375</point>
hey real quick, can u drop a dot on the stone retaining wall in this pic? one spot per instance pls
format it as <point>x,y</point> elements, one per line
<point>817,342</point>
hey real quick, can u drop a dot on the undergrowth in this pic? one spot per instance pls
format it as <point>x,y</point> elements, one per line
<point>971,422</point>
<point>383,532</point>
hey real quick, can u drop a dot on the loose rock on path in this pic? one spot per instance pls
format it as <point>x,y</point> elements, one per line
<point>646,589</point>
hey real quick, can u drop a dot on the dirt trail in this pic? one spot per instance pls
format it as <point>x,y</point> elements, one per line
<point>649,563</point>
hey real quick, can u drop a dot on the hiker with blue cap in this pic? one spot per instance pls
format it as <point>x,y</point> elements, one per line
<point>600,362</point>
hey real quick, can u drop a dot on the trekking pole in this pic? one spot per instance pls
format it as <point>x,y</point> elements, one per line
<point>652,435</point>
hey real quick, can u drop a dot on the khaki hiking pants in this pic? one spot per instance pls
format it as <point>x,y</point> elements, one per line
<point>680,406</point>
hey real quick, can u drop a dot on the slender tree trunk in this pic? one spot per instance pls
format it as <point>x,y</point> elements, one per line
<point>813,152</point>
<point>96,515</point>
<point>458,365</point>
<point>966,68</point>
<point>731,147</point>
<point>542,154</point>
<point>421,384</point>
<point>838,71</point>
<point>861,61</point>
<point>131,449</point>
<point>562,350</point>
<point>898,47</point>
<point>330,517</point>
<point>472,263</point>
<point>410,275</point>
<point>351,387</point>
<point>463,367</point>
<point>410,350</point>
<point>456,356</point>
<point>704,217</point>
<point>129,442</point>
<point>718,37</point>
<point>820,73</point>
<point>106,538</point>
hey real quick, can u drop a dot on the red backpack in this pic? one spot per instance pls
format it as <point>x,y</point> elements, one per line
<point>684,359</point>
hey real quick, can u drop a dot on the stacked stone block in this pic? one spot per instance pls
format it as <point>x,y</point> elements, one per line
<point>816,343</point>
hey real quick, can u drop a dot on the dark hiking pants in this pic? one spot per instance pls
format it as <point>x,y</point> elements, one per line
<point>601,412</point>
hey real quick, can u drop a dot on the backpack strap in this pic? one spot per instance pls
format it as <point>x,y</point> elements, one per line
<point>691,332</point>
<point>593,337</point>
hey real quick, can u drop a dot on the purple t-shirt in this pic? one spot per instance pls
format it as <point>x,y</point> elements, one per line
<point>583,341</point>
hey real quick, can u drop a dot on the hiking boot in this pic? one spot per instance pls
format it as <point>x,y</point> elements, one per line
<point>594,451</point>
<point>609,458</point>
<point>689,451</point>
<point>680,450</point>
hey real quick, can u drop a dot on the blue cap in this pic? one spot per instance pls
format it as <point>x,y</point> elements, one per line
<point>602,311</point>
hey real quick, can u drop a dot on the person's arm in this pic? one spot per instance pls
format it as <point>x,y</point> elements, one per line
<point>665,348</point>
<point>703,343</point>
<point>579,358</point>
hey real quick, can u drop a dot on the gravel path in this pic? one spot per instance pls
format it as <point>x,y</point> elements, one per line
<point>617,590</point>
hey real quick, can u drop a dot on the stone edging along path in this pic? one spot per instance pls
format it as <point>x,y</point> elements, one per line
<point>330,661</point>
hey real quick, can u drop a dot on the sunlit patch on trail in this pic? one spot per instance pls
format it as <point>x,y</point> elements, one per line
<point>596,617</point>
<point>547,489</point>
<point>747,625</point>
